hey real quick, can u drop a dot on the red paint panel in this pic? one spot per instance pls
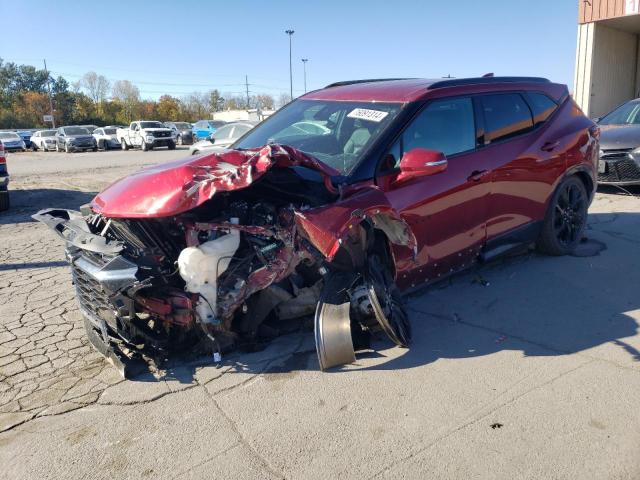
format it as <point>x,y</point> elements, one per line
<point>175,187</point>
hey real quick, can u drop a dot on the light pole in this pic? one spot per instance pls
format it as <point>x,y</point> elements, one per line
<point>304,66</point>
<point>290,33</point>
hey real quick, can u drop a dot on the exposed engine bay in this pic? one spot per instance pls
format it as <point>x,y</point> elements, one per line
<point>239,267</point>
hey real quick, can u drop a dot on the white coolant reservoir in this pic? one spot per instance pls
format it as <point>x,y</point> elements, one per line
<point>201,266</point>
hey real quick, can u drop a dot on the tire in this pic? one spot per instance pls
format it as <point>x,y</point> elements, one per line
<point>566,218</point>
<point>179,140</point>
<point>34,147</point>
<point>123,144</point>
<point>172,146</point>
<point>57,147</point>
<point>144,146</point>
<point>387,303</point>
<point>95,149</point>
<point>66,148</point>
<point>4,201</point>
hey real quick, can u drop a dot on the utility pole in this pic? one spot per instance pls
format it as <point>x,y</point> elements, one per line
<point>290,33</point>
<point>53,119</point>
<point>246,83</point>
<point>304,67</point>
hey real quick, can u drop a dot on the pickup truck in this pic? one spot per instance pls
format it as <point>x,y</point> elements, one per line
<point>146,135</point>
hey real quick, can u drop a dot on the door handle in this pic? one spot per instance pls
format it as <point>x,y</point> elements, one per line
<point>549,146</point>
<point>477,175</point>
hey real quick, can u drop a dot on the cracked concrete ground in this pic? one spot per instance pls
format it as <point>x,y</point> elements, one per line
<point>525,368</point>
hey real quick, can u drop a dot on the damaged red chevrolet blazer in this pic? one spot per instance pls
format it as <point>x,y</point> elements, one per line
<point>328,210</point>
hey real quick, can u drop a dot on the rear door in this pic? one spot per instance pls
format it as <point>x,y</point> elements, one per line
<point>522,170</point>
<point>447,212</point>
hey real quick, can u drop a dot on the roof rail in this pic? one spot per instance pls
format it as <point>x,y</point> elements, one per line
<point>370,80</point>
<point>456,82</point>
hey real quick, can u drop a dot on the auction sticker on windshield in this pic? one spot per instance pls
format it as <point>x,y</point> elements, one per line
<point>366,114</point>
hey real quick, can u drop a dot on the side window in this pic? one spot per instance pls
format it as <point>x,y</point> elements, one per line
<point>506,115</point>
<point>541,106</point>
<point>446,126</point>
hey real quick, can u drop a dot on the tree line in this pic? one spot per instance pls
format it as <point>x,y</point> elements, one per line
<point>24,100</point>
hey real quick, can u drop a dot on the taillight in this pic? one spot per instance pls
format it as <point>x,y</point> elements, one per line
<point>3,158</point>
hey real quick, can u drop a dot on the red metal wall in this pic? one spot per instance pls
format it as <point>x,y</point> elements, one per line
<point>593,10</point>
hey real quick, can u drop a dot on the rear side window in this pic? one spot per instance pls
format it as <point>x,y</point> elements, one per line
<point>505,115</point>
<point>541,106</point>
<point>446,126</point>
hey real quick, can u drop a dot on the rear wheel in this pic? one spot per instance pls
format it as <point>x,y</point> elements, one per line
<point>4,200</point>
<point>123,144</point>
<point>566,218</point>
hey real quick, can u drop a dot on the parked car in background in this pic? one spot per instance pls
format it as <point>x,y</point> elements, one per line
<point>74,139</point>
<point>106,137</point>
<point>619,162</point>
<point>223,138</point>
<point>12,141</point>
<point>183,132</point>
<point>203,128</point>
<point>145,134</point>
<point>90,128</point>
<point>4,180</point>
<point>44,140</point>
<point>294,224</point>
<point>25,135</point>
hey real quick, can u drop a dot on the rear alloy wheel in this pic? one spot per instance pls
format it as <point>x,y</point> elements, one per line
<point>4,200</point>
<point>566,218</point>
<point>387,303</point>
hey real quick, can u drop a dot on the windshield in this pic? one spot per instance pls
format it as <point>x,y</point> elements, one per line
<point>183,126</point>
<point>110,131</point>
<point>627,114</point>
<point>337,133</point>
<point>48,133</point>
<point>9,136</point>
<point>75,131</point>
<point>151,125</point>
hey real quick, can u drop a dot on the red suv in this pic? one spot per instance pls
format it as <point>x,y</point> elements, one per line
<point>331,207</point>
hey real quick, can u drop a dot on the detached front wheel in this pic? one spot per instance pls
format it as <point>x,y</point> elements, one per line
<point>566,218</point>
<point>388,305</point>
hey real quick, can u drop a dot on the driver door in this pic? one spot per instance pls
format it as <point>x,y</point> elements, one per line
<point>447,211</point>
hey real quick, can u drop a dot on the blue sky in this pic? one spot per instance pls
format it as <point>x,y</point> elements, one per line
<point>179,46</point>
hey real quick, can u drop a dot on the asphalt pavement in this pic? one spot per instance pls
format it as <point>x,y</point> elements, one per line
<point>525,368</point>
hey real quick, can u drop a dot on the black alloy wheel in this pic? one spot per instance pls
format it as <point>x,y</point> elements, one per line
<point>566,218</point>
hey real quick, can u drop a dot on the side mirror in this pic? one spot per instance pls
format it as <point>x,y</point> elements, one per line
<point>421,162</point>
<point>211,138</point>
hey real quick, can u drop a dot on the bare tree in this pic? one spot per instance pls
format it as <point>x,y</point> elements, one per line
<point>96,86</point>
<point>128,95</point>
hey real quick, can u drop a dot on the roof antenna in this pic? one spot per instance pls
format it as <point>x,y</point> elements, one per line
<point>487,75</point>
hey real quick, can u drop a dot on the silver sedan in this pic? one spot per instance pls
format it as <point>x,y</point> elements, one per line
<point>223,138</point>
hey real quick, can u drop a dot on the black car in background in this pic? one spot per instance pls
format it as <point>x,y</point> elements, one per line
<point>620,145</point>
<point>74,139</point>
<point>182,130</point>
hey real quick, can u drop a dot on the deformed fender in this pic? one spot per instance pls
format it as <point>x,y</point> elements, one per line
<point>326,227</point>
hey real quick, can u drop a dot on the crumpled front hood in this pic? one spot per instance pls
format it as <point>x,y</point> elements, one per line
<point>176,187</point>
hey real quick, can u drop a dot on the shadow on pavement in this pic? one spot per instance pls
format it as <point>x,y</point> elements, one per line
<point>25,203</point>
